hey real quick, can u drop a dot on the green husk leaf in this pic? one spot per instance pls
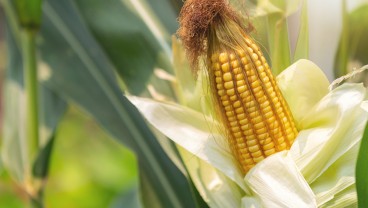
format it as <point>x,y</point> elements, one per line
<point>362,171</point>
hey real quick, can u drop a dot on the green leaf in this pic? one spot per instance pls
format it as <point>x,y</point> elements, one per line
<point>133,46</point>
<point>14,149</point>
<point>86,77</point>
<point>362,171</point>
<point>352,51</point>
<point>302,45</point>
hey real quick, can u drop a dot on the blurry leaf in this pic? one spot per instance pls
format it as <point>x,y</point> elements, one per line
<point>128,199</point>
<point>14,143</point>
<point>80,70</point>
<point>131,47</point>
<point>342,54</point>
<point>352,51</point>
<point>279,42</point>
<point>302,45</point>
<point>362,171</point>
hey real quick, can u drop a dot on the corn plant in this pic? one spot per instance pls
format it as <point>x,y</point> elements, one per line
<point>221,109</point>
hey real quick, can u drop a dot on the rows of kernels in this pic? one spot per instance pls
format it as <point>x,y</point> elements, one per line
<point>246,93</point>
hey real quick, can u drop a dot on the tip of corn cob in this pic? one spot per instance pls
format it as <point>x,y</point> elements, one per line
<point>196,19</point>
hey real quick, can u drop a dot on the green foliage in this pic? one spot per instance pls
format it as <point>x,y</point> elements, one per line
<point>78,59</point>
<point>29,13</point>
<point>352,52</point>
<point>362,171</point>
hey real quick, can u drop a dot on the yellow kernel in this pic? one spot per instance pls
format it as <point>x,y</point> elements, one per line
<point>280,140</point>
<point>248,132</point>
<point>268,114</point>
<point>228,108</point>
<point>242,89</point>
<point>250,104</point>
<point>263,136</point>
<point>239,76</point>
<point>266,109</point>
<point>218,80</point>
<point>268,146</point>
<point>249,161</point>
<point>223,58</point>
<point>258,63</point>
<point>218,73</point>
<point>235,64</point>
<point>258,159</point>
<point>255,47</point>
<point>225,102</point>
<point>232,56</point>
<point>250,50</point>
<point>237,71</point>
<point>254,56</point>
<point>244,60</point>
<point>237,104</point>
<point>257,119</point>
<point>256,154</point>
<point>230,92</point>
<point>261,131</point>
<point>229,113</point>
<point>259,94</point>
<point>252,109</point>
<point>229,85</point>
<point>227,77</point>
<point>234,123</point>
<point>240,83</point>
<point>234,97</point>
<point>254,148</point>
<point>269,152</point>
<point>240,110</point>
<point>244,122</point>
<point>241,116</point>
<point>224,97</point>
<point>225,67</point>
<point>216,66</point>
<point>219,86</point>
<point>241,145</point>
<point>252,142</point>
<point>262,74</point>
<point>282,146</point>
<point>221,92</point>
<point>263,59</point>
<point>231,118</point>
<point>256,84</point>
<point>257,89</point>
<point>265,104</point>
<point>235,129</point>
<point>259,125</point>
<point>271,119</point>
<point>237,134</point>
<point>268,85</point>
<point>255,115</point>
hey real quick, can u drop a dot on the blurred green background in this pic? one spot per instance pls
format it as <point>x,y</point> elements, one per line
<point>88,168</point>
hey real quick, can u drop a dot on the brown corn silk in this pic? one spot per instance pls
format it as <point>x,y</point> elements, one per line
<point>256,117</point>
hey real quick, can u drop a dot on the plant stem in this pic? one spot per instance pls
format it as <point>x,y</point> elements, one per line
<point>31,89</point>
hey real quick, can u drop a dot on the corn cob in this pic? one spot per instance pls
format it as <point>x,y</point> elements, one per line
<point>257,118</point>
